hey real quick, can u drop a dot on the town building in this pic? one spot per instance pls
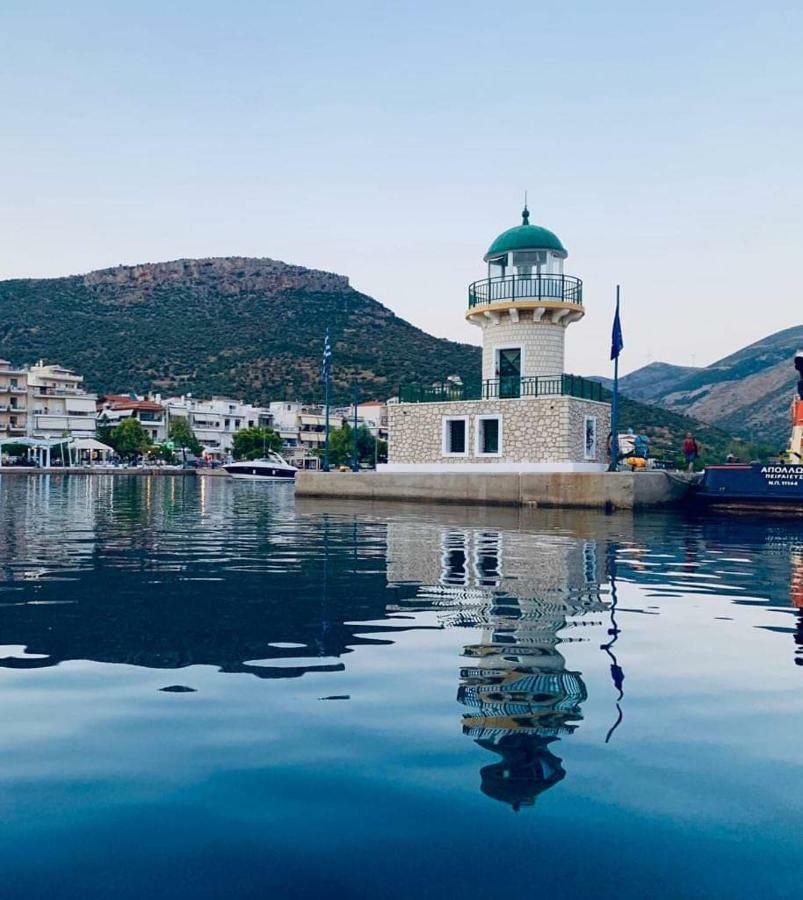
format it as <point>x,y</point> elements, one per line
<point>58,405</point>
<point>215,422</point>
<point>525,413</point>
<point>114,408</point>
<point>301,426</point>
<point>371,414</point>
<point>13,400</point>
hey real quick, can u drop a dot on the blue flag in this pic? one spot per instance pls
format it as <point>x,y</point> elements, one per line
<point>326,365</point>
<point>617,342</point>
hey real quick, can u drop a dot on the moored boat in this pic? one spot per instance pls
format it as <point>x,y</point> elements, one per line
<point>271,467</point>
<point>768,486</point>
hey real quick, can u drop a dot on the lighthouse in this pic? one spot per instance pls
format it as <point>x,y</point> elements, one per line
<point>524,306</point>
<point>521,412</point>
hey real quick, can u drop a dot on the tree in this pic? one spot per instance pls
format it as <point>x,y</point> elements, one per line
<point>341,443</point>
<point>252,443</point>
<point>129,438</point>
<point>182,435</point>
<point>104,429</point>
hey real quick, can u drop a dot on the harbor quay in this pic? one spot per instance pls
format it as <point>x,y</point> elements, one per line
<point>582,490</point>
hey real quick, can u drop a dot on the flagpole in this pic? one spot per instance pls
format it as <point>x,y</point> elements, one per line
<point>327,378</point>
<point>326,420</point>
<point>355,462</point>
<point>614,463</point>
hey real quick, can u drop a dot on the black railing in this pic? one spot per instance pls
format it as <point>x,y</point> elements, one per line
<point>503,389</point>
<point>565,288</point>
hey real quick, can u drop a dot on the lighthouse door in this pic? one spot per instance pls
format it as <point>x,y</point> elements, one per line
<point>509,373</point>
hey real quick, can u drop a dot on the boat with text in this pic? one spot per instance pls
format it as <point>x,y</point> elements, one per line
<point>762,485</point>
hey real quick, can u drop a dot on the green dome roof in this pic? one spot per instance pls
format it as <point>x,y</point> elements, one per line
<point>525,237</point>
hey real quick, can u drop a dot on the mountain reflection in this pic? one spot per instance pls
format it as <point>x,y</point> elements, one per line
<point>165,573</point>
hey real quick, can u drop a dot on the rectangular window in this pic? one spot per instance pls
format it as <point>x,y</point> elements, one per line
<point>488,435</point>
<point>590,432</point>
<point>455,436</point>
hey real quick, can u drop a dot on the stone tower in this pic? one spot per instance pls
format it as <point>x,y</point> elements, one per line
<point>524,307</point>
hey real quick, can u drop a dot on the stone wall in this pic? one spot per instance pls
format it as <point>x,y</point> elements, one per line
<point>538,430</point>
<point>541,345</point>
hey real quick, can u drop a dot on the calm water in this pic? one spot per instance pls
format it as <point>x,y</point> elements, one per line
<point>212,689</point>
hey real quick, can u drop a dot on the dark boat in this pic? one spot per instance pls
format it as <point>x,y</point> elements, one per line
<point>770,486</point>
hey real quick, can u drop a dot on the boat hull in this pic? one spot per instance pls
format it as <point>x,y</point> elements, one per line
<point>260,473</point>
<point>754,486</point>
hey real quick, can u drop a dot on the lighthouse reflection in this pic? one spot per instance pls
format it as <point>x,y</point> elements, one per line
<point>527,600</point>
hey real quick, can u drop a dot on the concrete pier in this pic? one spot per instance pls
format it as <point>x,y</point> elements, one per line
<point>590,490</point>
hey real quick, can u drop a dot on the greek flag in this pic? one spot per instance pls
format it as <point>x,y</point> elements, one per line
<point>326,364</point>
<point>617,341</point>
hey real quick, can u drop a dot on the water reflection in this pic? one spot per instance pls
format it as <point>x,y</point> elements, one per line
<point>165,645</point>
<point>170,573</point>
<point>525,598</point>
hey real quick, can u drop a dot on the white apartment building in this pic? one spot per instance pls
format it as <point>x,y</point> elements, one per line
<point>215,422</point>
<point>13,400</point>
<point>373,414</point>
<point>57,404</point>
<point>299,425</point>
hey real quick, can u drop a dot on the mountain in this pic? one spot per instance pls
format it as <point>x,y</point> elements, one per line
<point>252,328</point>
<point>747,393</point>
<point>651,382</point>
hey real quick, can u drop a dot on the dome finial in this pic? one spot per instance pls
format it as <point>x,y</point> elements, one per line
<point>525,213</point>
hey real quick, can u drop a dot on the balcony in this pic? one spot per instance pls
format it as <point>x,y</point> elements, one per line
<point>504,389</point>
<point>511,288</point>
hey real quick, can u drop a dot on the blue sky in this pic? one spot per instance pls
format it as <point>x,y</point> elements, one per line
<point>392,142</point>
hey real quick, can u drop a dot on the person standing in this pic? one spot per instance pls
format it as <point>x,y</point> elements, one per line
<point>691,450</point>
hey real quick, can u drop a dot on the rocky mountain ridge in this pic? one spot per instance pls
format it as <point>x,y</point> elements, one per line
<point>252,328</point>
<point>747,393</point>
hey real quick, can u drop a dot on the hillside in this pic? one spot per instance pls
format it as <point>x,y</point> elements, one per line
<point>251,328</point>
<point>747,393</point>
<point>649,383</point>
<point>667,429</point>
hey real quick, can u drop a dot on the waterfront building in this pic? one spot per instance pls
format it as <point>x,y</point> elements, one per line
<point>13,400</point>
<point>58,404</point>
<point>300,425</point>
<point>113,408</point>
<point>215,422</point>
<point>525,413</point>
<point>371,414</point>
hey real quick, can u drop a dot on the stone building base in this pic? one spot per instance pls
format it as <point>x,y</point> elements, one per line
<point>556,433</point>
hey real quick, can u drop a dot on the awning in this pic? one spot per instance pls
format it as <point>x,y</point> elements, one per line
<point>91,444</point>
<point>34,442</point>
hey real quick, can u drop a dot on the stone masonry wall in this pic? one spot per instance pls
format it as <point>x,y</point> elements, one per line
<point>534,430</point>
<point>541,345</point>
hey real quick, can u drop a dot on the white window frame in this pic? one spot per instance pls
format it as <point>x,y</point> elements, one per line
<point>593,454</point>
<point>478,435</point>
<point>445,435</point>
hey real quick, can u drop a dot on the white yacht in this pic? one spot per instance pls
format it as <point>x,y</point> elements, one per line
<point>271,467</point>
